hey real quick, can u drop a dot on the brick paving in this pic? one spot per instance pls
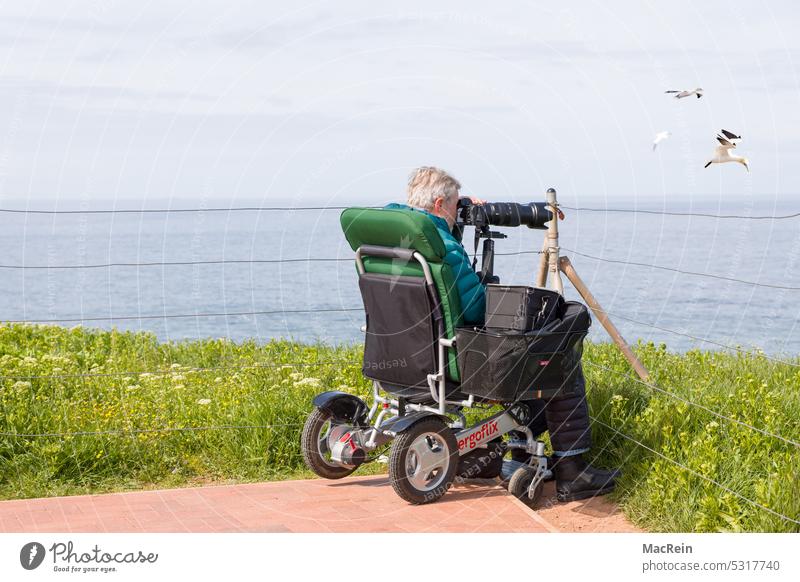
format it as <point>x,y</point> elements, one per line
<point>354,504</point>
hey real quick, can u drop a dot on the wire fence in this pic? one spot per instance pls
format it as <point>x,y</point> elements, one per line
<point>269,365</point>
<point>175,210</point>
<point>692,403</point>
<point>696,474</point>
<point>339,208</point>
<point>348,259</point>
<point>189,369</point>
<point>685,214</point>
<point>682,272</point>
<point>166,429</point>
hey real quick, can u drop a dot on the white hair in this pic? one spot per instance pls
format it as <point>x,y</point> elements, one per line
<point>427,183</point>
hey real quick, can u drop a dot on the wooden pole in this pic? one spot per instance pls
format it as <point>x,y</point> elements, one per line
<point>566,266</point>
<point>552,243</point>
<point>541,274</point>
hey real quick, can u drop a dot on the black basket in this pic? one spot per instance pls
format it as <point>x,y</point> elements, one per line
<point>521,308</point>
<point>507,365</point>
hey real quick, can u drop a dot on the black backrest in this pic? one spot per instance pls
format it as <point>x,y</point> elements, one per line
<point>404,324</point>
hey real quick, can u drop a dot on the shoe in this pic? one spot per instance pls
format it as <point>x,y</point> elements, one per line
<point>577,479</point>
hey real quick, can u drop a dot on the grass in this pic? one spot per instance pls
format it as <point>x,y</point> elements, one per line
<point>238,408</point>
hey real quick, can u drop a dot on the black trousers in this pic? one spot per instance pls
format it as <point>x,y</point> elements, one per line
<point>567,419</point>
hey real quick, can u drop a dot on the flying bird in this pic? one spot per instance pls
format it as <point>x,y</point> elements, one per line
<point>682,94</point>
<point>722,153</point>
<point>660,136</point>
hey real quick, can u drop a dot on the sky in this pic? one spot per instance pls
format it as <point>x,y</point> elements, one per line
<point>108,104</point>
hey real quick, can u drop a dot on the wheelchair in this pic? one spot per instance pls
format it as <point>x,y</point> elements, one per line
<point>419,405</point>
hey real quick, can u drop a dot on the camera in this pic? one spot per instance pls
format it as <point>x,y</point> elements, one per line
<point>532,214</point>
<point>482,216</point>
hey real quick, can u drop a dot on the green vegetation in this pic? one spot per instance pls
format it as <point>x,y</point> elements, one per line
<point>243,406</point>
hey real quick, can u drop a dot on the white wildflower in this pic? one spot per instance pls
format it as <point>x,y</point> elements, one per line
<point>204,401</point>
<point>308,383</point>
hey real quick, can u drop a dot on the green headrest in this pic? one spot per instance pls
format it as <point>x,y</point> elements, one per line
<point>393,228</point>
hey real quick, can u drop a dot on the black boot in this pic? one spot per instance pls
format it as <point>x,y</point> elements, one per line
<point>576,479</point>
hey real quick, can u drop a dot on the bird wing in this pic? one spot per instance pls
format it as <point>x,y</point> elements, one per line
<point>671,91</point>
<point>730,135</point>
<point>725,143</point>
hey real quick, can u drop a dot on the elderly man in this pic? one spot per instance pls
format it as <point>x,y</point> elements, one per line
<point>435,193</point>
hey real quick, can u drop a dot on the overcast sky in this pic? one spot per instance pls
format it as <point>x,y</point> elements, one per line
<point>334,102</point>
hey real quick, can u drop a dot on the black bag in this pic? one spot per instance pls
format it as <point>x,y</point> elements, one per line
<point>402,329</point>
<point>508,365</point>
<point>521,308</point>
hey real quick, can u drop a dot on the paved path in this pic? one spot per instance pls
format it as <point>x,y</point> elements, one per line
<point>354,504</point>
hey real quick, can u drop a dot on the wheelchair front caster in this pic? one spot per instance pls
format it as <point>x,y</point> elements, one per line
<point>424,461</point>
<point>520,485</point>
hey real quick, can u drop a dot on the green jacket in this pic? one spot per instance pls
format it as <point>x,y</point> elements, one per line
<point>470,290</point>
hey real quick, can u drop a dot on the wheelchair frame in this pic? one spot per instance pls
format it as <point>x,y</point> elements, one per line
<point>356,434</point>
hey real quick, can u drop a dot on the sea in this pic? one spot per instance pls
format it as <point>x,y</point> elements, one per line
<point>664,276</point>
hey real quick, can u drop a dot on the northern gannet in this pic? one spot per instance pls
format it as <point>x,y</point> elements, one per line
<point>722,153</point>
<point>682,94</point>
<point>660,136</point>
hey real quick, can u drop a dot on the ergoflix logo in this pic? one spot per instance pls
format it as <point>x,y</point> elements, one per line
<point>31,555</point>
<point>477,436</point>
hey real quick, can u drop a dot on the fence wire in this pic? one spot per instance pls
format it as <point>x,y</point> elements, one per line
<point>674,270</point>
<point>687,214</point>
<point>695,404</point>
<point>166,429</point>
<point>689,469</point>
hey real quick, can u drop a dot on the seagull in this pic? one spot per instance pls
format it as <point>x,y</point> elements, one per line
<point>660,136</point>
<point>682,94</point>
<point>723,152</point>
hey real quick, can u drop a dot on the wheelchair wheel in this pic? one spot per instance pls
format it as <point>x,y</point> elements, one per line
<point>423,461</point>
<point>314,444</point>
<point>520,482</point>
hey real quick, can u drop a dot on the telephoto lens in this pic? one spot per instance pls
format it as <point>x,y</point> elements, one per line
<point>532,215</point>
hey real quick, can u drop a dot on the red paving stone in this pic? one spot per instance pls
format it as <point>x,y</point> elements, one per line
<point>355,504</point>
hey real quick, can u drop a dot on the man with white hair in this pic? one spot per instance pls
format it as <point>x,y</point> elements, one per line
<point>435,193</point>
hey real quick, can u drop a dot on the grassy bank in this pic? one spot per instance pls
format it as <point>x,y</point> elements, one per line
<point>211,410</point>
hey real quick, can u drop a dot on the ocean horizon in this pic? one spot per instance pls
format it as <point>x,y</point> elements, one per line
<point>686,281</point>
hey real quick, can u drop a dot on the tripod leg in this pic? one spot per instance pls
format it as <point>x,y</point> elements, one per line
<point>566,267</point>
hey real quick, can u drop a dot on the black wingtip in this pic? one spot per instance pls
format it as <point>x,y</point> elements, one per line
<point>730,134</point>
<point>707,165</point>
<point>699,95</point>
